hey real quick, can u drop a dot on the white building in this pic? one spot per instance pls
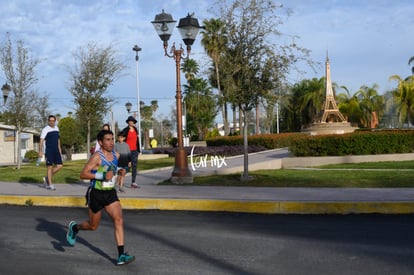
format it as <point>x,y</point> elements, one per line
<point>220,127</point>
<point>30,139</point>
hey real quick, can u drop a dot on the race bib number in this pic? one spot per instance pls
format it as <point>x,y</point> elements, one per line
<point>108,184</point>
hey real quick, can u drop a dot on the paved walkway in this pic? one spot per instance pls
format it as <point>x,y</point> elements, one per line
<point>269,200</point>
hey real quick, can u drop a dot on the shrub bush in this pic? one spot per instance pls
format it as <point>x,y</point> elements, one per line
<point>358,143</point>
<point>31,155</point>
<point>301,144</point>
<point>173,142</point>
<point>211,150</point>
<point>268,141</point>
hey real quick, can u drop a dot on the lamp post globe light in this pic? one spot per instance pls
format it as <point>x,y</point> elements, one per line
<point>128,106</point>
<point>189,28</point>
<point>6,90</point>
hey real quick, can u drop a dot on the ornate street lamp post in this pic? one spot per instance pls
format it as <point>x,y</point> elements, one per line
<point>6,90</point>
<point>188,27</point>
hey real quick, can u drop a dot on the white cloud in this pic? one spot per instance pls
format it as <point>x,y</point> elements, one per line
<point>367,41</point>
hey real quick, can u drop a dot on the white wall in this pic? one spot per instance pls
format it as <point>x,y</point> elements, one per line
<point>8,146</point>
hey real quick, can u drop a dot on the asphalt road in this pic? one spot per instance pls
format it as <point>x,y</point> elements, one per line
<point>32,241</point>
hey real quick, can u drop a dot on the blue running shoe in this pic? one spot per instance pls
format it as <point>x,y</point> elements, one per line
<point>71,235</point>
<point>124,258</point>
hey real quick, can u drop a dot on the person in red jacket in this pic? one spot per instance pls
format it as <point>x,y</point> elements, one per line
<point>132,139</point>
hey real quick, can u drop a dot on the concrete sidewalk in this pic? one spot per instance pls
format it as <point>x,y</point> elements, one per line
<point>269,200</point>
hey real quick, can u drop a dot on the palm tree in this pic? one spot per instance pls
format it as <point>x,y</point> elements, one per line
<point>371,104</point>
<point>411,60</point>
<point>214,41</point>
<point>154,106</point>
<point>349,106</point>
<point>311,99</point>
<point>390,119</point>
<point>190,68</point>
<point>146,115</point>
<point>200,105</point>
<point>404,96</point>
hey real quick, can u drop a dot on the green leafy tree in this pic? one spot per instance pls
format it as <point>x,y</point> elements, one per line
<point>200,107</point>
<point>274,101</point>
<point>166,127</point>
<point>390,117</point>
<point>411,61</point>
<point>42,110</point>
<point>306,102</point>
<point>370,103</point>
<point>19,68</point>
<point>69,135</point>
<point>274,90</point>
<point>147,122</point>
<point>190,68</point>
<point>96,68</point>
<point>404,97</point>
<point>154,106</point>
<point>251,25</point>
<point>199,101</point>
<point>312,100</point>
<point>349,106</point>
<point>214,41</point>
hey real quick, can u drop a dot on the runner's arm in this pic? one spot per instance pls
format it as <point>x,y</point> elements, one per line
<point>92,164</point>
<point>42,140</point>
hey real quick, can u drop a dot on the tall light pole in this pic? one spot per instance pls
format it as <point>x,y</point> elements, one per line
<point>188,27</point>
<point>277,116</point>
<point>137,49</point>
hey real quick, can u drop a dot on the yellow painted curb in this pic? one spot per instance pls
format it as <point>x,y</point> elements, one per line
<point>262,207</point>
<point>349,207</point>
<point>201,205</point>
<point>63,201</point>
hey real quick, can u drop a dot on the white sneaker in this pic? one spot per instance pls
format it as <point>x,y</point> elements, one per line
<point>51,187</point>
<point>46,182</point>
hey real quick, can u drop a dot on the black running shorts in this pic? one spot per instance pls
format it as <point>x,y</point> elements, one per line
<point>98,199</point>
<point>53,158</point>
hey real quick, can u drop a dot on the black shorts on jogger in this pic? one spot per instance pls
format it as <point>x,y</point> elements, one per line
<point>98,199</point>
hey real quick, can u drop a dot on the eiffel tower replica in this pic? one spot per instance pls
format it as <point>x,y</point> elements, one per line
<point>331,121</point>
<point>330,109</point>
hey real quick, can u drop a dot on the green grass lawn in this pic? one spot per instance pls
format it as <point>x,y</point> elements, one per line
<point>378,174</point>
<point>31,173</point>
<point>315,178</point>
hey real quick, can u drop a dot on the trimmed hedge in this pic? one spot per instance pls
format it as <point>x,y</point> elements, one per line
<point>357,143</point>
<point>233,145</point>
<point>300,144</point>
<point>268,141</point>
<point>211,150</point>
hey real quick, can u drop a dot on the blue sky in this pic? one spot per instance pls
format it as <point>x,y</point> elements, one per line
<point>367,42</point>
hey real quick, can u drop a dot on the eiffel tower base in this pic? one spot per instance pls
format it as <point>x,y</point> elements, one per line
<point>329,128</point>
